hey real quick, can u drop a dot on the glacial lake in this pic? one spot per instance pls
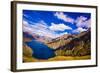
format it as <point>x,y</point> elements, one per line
<point>40,50</point>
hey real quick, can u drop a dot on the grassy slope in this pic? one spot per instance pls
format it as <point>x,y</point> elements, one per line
<point>57,58</point>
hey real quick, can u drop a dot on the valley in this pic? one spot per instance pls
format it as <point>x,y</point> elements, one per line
<point>66,47</point>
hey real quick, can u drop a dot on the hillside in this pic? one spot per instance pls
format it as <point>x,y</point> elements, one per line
<point>66,47</point>
<point>29,37</point>
<point>74,43</point>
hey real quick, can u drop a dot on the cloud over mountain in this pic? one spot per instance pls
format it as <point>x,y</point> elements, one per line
<point>82,22</point>
<point>78,30</point>
<point>59,27</point>
<point>62,16</point>
<point>54,24</point>
<point>41,28</point>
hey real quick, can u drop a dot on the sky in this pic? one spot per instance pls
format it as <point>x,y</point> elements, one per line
<point>55,24</point>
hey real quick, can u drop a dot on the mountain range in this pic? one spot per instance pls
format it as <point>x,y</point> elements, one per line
<point>66,45</point>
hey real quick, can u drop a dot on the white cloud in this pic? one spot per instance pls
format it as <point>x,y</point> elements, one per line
<point>62,16</point>
<point>83,22</point>
<point>41,29</point>
<point>59,27</point>
<point>25,15</point>
<point>26,27</point>
<point>63,33</point>
<point>78,30</point>
<point>36,28</point>
<point>80,21</point>
<point>87,23</point>
<point>25,22</point>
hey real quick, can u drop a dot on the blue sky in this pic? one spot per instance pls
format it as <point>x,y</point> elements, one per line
<point>54,24</point>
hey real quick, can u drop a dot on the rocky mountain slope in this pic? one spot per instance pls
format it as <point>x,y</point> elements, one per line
<point>66,45</point>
